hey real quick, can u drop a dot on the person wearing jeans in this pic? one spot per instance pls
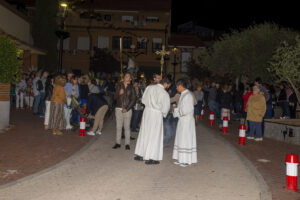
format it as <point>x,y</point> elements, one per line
<point>36,92</point>
<point>125,97</point>
<point>42,106</point>
<point>256,109</point>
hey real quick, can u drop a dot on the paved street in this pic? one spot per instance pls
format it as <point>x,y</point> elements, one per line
<point>101,173</point>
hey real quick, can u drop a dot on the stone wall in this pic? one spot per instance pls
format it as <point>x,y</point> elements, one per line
<point>281,132</point>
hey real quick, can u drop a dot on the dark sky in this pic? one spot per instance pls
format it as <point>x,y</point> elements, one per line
<point>228,15</point>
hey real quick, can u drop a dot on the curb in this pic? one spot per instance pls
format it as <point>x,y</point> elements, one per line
<point>265,193</point>
<point>26,178</point>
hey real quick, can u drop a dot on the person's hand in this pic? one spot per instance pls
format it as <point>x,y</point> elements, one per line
<point>121,92</point>
<point>124,110</point>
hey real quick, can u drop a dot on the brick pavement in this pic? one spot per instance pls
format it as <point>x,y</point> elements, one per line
<point>271,150</point>
<point>27,148</point>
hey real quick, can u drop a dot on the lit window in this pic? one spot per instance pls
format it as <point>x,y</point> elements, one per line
<point>185,59</point>
<point>103,42</point>
<point>127,18</point>
<point>156,44</point>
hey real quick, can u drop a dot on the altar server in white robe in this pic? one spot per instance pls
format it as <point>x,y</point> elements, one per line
<point>149,145</point>
<point>185,148</point>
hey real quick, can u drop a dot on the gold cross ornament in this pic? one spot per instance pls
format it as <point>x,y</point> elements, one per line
<point>162,53</point>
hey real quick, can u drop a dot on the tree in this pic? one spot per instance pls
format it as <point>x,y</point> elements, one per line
<point>43,32</point>
<point>285,65</point>
<point>247,53</point>
<point>10,62</point>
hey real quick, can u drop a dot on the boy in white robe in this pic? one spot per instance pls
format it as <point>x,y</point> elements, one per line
<point>149,145</point>
<point>185,148</point>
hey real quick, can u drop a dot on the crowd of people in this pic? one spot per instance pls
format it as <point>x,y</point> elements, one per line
<point>163,110</point>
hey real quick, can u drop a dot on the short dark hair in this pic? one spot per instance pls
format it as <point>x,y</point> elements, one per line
<point>154,75</point>
<point>258,79</point>
<point>184,82</point>
<point>165,80</point>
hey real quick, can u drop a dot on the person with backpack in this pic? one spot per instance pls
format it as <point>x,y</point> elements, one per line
<point>37,86</point>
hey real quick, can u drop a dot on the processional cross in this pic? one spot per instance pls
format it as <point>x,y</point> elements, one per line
<point>162,53</point>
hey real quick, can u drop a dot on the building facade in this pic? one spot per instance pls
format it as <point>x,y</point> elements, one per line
<point>16,26</point>
<point>144,27</point>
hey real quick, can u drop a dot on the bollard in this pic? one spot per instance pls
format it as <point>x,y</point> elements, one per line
<point>225,125</point>
<point>202,113</point>
<point>211,118</point>
<point>82,126</point>
<point>291,171</point>
<point>242,134</point>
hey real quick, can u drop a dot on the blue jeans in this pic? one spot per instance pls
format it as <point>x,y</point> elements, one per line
<point>287,111</point>
<point>36,103</point>
<point>255,127</point>
<point>42,103</point>
<point>214,106</point>
<point>135,119</point>
<point>269,112</point>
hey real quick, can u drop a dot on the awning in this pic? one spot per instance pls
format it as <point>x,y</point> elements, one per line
<point>24,45</point>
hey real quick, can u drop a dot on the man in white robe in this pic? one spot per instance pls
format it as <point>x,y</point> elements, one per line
<point>185,148</point>
<point>149,145</point>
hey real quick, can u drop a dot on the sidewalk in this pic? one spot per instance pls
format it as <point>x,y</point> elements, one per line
<point>27,148</point>
<point>273,153</point>
<point>101,173</point>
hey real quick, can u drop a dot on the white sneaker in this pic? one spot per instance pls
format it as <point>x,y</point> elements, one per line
<point>177,163</point>
<point>91,133</point>
<point>258,139</point>
<point>98,132</point>
<point>250,138</point>
<point>183,165</point>
<point>69,127</point>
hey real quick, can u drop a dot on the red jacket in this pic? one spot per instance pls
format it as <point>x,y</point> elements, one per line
<point>246,98</point>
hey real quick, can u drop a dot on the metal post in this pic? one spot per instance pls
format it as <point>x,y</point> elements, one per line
<point>174,63</point>
<point>61,45</point>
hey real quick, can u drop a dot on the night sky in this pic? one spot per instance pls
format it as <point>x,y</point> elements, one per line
<point>228,15</point>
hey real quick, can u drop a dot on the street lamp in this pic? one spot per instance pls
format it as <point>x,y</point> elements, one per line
<point>175,51</point>
<point>62,34</point>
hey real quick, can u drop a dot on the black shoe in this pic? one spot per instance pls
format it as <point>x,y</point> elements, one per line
<point>152,162</point>
<point>132,138</point>
<point>127,147</point>
<point>138,158</point>
<point>116,146</point>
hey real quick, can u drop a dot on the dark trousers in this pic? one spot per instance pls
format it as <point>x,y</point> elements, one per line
<point>135,119</point>
<point>255,128</point>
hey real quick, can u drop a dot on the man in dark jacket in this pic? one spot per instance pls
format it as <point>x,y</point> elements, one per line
<point>97,106</point>
<point>125,97</point>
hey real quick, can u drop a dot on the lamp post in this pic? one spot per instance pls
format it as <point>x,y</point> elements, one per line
<point>61,33</point>
<point>175,51</point>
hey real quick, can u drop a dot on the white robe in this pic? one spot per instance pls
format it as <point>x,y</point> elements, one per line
<point>185,147</point>
<point>150,140</point>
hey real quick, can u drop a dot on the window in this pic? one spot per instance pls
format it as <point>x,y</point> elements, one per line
<point>66,44</point>
<point>152,19</point>
<point>127,41</point>
<point>107,18</point>
<point>156,44</point>
<point>103,42</point>
<point>83,43</point>
<point>142,43</point>
<point>127,18</point>
<point>185,59</point>
<point>116,42</point>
